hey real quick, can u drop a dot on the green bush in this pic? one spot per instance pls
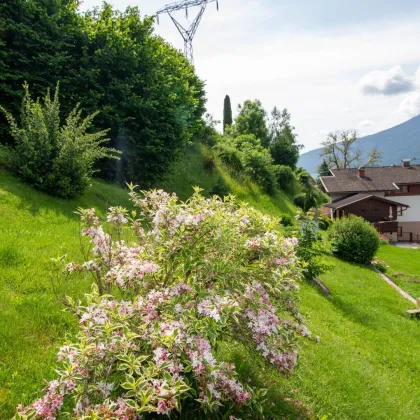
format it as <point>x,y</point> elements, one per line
<point>258,165</point>
<point>305,200</point>
<point>220,189</point>
<point>354,239</point>
<point>287,220</point>
<point>52,157</point>
<point>229,155</point>
<point>286,178</point>
<point>324,222</point>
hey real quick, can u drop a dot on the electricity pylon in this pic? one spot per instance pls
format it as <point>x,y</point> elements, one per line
<point>187,34</point>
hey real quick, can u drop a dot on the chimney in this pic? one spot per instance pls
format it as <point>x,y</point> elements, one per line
<point>406,163</point>
<point>361,172</point>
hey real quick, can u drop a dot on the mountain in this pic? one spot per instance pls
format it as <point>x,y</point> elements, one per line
<point>396,143</point>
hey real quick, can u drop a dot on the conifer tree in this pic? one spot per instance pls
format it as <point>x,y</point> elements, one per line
<point>227,113</point>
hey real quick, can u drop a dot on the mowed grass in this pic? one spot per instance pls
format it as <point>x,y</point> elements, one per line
<point>33,229</point>
<point>366,365</point>
<point>404,267</point>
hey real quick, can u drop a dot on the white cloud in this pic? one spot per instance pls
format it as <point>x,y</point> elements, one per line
<point>365,123</point>
<point>391,82</point>
<point>410,106</point>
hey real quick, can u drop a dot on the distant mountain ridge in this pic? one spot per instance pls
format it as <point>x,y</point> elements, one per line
<point>396,143</point>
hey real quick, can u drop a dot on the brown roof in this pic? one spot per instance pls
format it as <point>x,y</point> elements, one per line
<point>359,197</point>
<point>381,178</point>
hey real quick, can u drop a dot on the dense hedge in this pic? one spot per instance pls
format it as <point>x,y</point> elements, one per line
<point>111,61</point>
<point>354,239</point>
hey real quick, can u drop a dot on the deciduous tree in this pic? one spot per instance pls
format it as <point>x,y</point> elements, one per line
<point>340,151</point>
<point>252,120</point>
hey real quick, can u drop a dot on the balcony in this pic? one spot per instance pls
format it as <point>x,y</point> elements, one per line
<point>386,227</point>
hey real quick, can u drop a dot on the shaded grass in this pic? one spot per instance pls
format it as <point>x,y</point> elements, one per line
<point>404,267</point>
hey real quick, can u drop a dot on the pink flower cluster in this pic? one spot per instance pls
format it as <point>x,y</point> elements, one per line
<point>190,275</point>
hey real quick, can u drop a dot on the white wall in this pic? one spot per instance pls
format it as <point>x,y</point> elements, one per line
<point>412,214</point>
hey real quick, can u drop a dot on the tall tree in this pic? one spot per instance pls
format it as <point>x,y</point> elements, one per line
<point>340,151</point>
<point>323,169</point>
<point>227,113</point>
<point>251,119</point>
<point>282,139</point>
<point>111,61</point>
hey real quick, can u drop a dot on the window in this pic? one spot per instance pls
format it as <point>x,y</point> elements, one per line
<point>399,211</point>
<point>399,230</point>
<point>405,188</point>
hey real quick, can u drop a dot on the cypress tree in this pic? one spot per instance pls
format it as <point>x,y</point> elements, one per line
<point>227,113</point>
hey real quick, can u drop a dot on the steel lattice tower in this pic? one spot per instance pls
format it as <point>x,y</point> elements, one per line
<point>187,34</point>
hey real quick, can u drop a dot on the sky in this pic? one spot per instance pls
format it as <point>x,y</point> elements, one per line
<point>334,66</point>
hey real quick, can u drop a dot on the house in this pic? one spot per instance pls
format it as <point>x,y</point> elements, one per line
<point>388,197</point>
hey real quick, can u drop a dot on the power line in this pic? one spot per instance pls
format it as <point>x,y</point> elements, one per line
<point>187,34</point>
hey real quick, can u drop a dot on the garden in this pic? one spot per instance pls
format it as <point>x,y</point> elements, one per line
<point>192,296</point>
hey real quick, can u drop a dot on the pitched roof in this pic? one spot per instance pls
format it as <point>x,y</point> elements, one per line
<point>381,178</point>
<point>359,197</point>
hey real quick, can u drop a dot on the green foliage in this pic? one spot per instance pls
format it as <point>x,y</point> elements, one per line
<point>258,165</point>
<point>227,113</point>
<point>221,189</point>
<point>305,200</point>
<point>380,265</point>
<point>229,155</point>
<point>252,120</point>
<point>286,178</point>
<point>383,240</point>
<point>324,222</point>
<point>207,133</point>
<point>246,141</point>
<point>354,239</point>
<point>282,139</point>
<point>111,61</point>
<point>324,169</point>
<point>245,152</point>
<point>310,248</point>
<point>55,158</point>
<point>209,162</point>
<point>287,220</point>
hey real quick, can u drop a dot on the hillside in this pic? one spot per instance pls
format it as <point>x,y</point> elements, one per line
<point>189,171</point>
<point>396,143</point>
<point>365,366</point>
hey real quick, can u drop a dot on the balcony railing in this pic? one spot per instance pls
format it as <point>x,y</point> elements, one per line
<point>386,227</point>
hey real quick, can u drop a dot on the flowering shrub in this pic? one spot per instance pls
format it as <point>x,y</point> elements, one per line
<point>380,265</point>
<point>191,275</point>
<point>383,240</point>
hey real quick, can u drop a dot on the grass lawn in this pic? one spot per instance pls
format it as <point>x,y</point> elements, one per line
<point>404,267</point>
<point>366,365</point>
<point>34,228</point>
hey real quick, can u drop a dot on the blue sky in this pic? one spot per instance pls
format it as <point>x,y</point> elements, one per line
<point>334,64</point>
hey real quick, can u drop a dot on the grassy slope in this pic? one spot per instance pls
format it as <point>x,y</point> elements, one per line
<point>365,367</point>
<point>189,172</point>
<point>406,263</point>
<point>34,228</point>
